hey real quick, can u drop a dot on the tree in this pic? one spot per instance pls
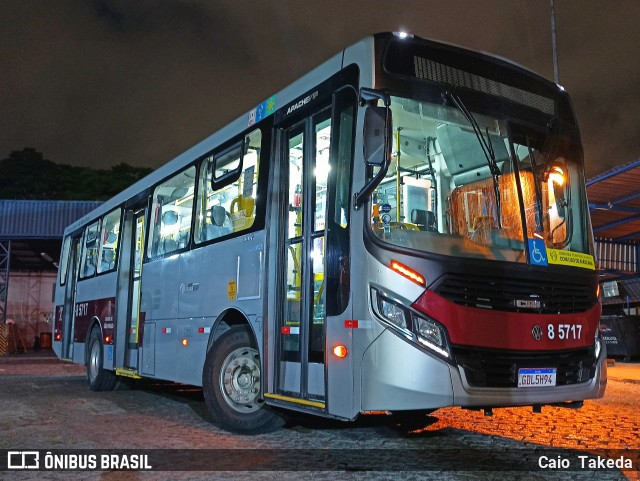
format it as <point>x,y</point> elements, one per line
<point>26,174</point>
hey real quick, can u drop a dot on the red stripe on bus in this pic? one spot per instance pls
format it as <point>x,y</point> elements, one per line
<point>473,326</point>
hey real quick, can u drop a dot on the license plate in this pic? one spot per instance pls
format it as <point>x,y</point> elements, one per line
<point>537,377</point>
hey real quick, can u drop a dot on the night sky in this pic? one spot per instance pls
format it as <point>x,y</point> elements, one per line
<point>97,82</point>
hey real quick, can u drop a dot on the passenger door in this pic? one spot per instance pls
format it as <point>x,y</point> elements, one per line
<point>128,294</point>
<point>301,346</point>
<point>70,299</point>
<point>313,261</point>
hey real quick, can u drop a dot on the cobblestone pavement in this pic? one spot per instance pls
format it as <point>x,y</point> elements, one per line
<point>47,405</point>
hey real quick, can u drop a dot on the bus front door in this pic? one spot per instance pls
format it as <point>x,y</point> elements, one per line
<point>300,369</point>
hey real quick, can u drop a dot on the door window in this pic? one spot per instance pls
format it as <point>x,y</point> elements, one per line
<point>90,251</point>
<point>109,241</point>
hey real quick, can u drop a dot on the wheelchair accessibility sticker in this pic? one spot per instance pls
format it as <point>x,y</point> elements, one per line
<point>537,252</point>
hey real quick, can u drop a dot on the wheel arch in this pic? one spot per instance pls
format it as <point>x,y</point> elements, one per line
<point>227,319</point>
<point>94,323</point>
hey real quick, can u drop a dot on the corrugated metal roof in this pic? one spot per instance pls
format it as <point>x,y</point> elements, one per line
<point>40,219</point>
<point>614,202</point>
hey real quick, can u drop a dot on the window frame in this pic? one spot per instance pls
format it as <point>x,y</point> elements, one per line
<point>232,176</point>
<point>83,250</point>
<point>63,268</point>
<point>150,222</point>
<point>264,128</point>
<point>100,250</point>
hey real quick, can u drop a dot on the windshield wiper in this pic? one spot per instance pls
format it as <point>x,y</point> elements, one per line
<point>485,145</point>
<point>536,181</point>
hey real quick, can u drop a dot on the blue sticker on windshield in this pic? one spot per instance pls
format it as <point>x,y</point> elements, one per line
<point>537,252</point>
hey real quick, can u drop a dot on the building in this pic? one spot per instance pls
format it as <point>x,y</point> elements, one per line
<point>30,241</point>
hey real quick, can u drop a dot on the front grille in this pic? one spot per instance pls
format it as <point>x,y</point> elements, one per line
<point>497,368</point>
<point>426,69</point>
<point>515,294</point>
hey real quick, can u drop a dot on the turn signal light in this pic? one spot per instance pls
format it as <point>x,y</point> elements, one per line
<point>408,273</point>
<point>340,351</point>
<point>107,340</point>
<point>185,342</point>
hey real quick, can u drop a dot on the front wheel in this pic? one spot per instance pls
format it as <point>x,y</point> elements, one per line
<point>100,379</point>
<point>231,385</point>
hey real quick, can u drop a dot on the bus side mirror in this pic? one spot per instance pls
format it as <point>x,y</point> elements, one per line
<point>377,134</point>
<point>375,140</point>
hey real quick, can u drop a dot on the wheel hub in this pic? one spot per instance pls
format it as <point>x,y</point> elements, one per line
<point>240,380</point>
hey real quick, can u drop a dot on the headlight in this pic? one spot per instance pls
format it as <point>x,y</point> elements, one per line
<point>390,311</point>
<point>431,334</point>
<point>427,332</point>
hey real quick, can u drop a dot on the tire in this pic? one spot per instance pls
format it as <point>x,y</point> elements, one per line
<point>231,385</point>
<point>100,379</point>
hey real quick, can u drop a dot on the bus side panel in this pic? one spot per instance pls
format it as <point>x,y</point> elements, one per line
<point>343,375</point>
<point>95,299</point>
<point>215,278</point>
<point>159,303</point>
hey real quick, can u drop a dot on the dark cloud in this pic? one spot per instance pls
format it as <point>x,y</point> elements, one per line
<point>101,82</point>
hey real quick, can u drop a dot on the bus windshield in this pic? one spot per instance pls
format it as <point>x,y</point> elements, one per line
<point>473,185</point>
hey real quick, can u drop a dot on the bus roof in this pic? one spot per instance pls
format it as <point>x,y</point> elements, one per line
<point>361,53</point>
<point>240,124</point>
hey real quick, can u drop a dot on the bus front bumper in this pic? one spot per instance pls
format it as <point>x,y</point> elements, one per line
<point>396,376</point>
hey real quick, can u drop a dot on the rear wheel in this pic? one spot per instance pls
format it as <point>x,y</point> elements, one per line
<point>100,379</point>
<point>231,385</point>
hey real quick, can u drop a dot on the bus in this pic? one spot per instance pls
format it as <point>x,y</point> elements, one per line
<point>402,229</point>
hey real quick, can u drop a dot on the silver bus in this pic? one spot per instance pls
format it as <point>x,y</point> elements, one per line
<point>403,228</point>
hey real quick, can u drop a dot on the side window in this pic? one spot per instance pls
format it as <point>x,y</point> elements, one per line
<point>227,190</point>
<point>64,261</point>
<point>171,214</point>
<point>109,241</point>
<point>90,251</point>
<point>338,265</point>
<point>343,155</point>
